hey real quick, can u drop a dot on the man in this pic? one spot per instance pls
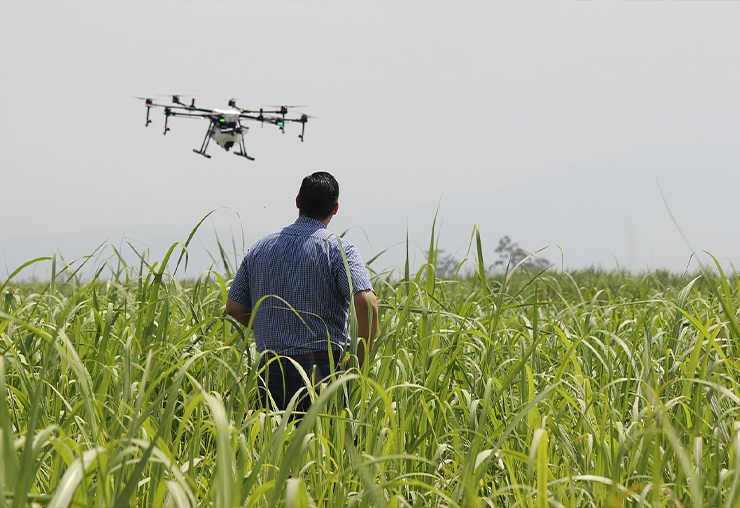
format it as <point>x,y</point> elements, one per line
<point>295,280</point>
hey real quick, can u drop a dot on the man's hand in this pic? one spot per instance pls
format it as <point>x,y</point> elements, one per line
<point>366,309</point>
<point>240,312</point>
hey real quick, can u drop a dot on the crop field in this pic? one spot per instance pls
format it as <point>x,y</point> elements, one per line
<point>578,389</point>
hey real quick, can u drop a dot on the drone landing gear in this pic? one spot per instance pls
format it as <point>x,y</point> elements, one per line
<point>204,146</point>
<point>243,150</point>
<point>244,155</point>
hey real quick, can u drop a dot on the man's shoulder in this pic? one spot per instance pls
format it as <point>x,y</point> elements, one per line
<point>309,232</point>
<point>264,242</point>
<point>289,231</point>
<point>266,239</point>
<point>334,239</point>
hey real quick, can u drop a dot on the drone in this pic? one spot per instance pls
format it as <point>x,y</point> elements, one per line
<point>225,125</point>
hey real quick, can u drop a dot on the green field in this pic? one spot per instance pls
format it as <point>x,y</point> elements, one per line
<point>584,388</point>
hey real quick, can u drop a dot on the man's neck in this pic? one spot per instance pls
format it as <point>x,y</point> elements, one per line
<point>325,221</point>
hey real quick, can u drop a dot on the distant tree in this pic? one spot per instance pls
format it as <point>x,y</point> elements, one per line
<point>511,254</point>
<point>447,264</point>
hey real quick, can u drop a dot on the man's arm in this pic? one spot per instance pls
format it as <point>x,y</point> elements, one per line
<point>366,309</point>
<point>240,312</point>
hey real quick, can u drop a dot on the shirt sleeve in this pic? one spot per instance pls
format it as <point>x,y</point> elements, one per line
<point>359,274</point>
<point>239,291</point>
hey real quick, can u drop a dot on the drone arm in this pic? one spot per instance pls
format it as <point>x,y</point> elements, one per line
<point>245,116</point>
<point>177,108</point>
<point>189,114</point>
<point>168,113</point>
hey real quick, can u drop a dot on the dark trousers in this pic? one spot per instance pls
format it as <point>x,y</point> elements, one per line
<point>282,380</point>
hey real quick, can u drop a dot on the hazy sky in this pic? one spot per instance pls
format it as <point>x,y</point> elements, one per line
<point>556,123</point>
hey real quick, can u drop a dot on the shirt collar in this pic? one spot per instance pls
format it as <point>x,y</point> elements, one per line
<point>310,221</point>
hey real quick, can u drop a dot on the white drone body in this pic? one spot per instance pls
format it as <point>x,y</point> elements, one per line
<point>226,137</point>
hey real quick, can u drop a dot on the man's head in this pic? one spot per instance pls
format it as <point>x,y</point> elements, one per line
<point>318,197</point>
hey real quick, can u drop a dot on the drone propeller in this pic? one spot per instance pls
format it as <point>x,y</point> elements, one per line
<point>232,104</point>
<point>286,107</point>
<point>302,119</point>
<point>176,99</point>
<point>148,103</point>
<point>282,109</point>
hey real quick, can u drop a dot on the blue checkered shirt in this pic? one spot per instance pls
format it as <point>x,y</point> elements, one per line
<point>300,272</point>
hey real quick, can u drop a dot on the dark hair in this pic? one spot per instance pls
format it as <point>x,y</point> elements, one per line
<point>318,195</point>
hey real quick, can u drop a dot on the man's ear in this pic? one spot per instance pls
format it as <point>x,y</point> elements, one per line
<point>298,202</point>
<point>336,208</point>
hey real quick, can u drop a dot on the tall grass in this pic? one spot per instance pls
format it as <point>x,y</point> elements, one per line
<point>586,388</point>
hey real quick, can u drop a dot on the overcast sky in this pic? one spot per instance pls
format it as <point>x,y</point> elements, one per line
<point>556,123</point>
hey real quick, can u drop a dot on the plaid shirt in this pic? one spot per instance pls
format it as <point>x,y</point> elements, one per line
<point>300,272</point>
